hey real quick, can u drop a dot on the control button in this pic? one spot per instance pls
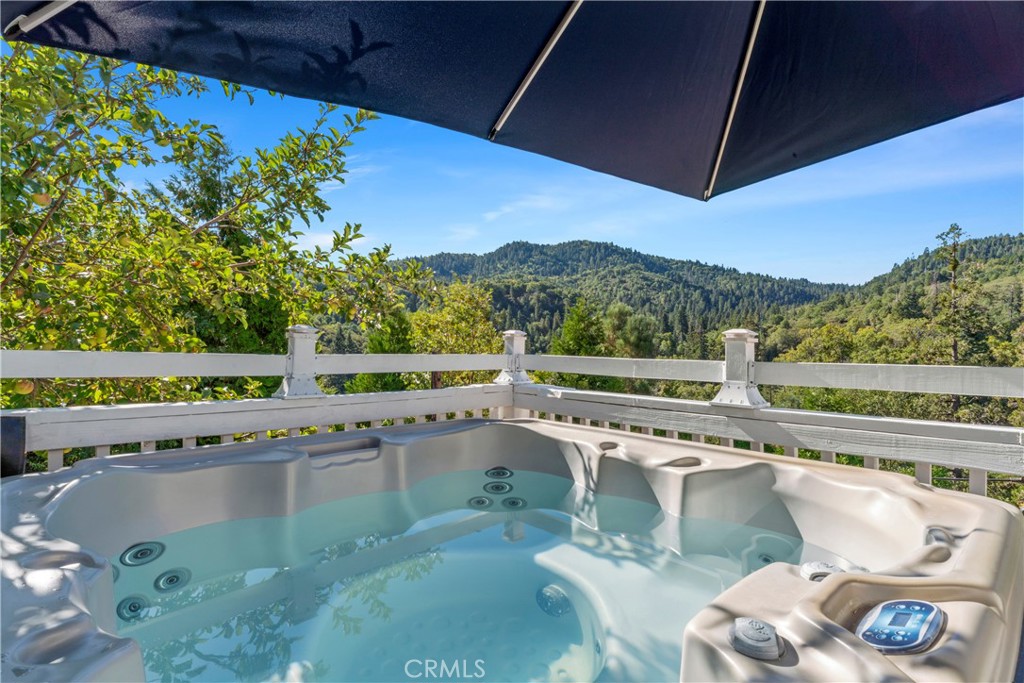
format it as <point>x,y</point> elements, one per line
<point>818,570</point>
<point>885,630</point>
<point>913,607</point>
<point>905,607</point>
<point>901,633</point>
<point>897,639</point>
<point>882,636</point>
<point>755,638</point>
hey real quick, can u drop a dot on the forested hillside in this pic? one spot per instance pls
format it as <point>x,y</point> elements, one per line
<point>691,302</point>
<point>533,284</point>
<point>912,313</point>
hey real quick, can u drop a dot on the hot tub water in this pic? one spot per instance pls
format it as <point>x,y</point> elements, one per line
<point>456,578</point>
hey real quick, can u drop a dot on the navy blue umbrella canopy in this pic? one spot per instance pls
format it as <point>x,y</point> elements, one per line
<point>697,98</point>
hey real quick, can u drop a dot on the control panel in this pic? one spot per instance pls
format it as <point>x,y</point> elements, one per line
<point>902,626</point>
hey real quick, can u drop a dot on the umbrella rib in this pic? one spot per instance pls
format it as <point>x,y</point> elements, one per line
<point>735,97</point>
<point>537,64</point>
<point>24,24</point>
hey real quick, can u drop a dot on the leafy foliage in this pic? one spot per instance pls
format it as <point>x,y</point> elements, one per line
<point>393,336</point>
<point>89,262</point>
<point>457,320</point>
<point>583,334</point>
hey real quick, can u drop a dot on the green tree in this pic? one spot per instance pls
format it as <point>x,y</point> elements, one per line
<point>582,334</point>
<point>204,190</point>
<point>831,343</point>
<point>456,320</point>
<point>616,317</point>
<point>89,262</point>
<point>393,336</point>
<point>959,317</point>
<point>339,336</point>
<point>638,337</point>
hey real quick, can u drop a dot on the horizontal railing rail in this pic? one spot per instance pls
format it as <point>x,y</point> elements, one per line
<point>637,368</point>
<point>923,379</point>
<point>928,379</point>
<point>51,428</point>
<point>985,447</point>
<point>351,364</point>
<point>97,364</point>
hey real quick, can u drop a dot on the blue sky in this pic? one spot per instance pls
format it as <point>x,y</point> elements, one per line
<point>425,190</point>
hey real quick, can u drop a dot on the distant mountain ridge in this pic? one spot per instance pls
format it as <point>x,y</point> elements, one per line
<point>532,285</point>
<point>577,257</point>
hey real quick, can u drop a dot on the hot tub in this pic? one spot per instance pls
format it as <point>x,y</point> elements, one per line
<point>477,550</point>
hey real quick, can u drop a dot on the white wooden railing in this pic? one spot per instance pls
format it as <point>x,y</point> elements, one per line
<point>737,414</point>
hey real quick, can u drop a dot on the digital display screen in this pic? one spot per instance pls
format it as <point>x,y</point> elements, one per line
<point>900,619</point>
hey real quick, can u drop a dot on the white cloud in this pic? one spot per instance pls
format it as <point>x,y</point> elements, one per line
<point>462,232</point>
<point>360,170</point>
<point>331,186</point>
<point>547,200</point>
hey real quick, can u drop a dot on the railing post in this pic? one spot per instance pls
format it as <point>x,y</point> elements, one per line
<point>738,388</point>
<point>515,349</point>
<point>300,365</point>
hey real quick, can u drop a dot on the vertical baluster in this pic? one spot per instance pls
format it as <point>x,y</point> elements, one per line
<point>923,472</point>
<point>102,451</point>
<point>672,434</point>
<point>828,456</point>
<point>294,431</point>
<point>148,446</point>
<point>870,463</point>
<point>977,481</point>
<point>54,459</point>
<point>789,451</point>
<point>227,438</point>
<point>188,442</point>
<point>323,429</point>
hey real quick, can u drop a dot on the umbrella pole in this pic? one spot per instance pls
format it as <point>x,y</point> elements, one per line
<point>735,98</point>
<point>537,64</point>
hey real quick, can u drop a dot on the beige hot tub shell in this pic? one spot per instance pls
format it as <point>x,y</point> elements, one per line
<point>962,552</point>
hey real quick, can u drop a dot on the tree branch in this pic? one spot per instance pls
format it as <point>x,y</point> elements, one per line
<point>23,254</point>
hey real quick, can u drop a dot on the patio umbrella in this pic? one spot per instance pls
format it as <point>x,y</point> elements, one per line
<point>697,98</point>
